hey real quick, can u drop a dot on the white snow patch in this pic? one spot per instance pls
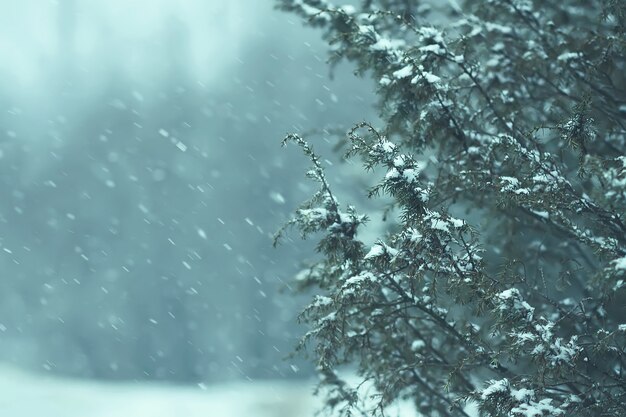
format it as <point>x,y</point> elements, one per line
<point>29,394</point>
<point>410,174</point>
<point>417,345</point>
<point>620,263</point>
<point>542,214</point>
<point>567,56</point>
<point>433,48</point>
<point>404,72</point>
<point>494,27</point>
<point>416,236</point>
<point>392,174</point>
<point>427,76</point>
<point>384,44</point>
<point>387,147</point>
<point>495,387</point>
<point>376,251</point>
<point>380,249</point>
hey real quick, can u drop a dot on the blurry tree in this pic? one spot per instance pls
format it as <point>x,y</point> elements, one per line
<point>502,142</point>
<point>139,187</point>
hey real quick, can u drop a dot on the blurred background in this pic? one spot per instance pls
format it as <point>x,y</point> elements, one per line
<point>142,179</point>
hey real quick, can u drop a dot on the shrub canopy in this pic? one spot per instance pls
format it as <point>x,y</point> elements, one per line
<point>502,282</point>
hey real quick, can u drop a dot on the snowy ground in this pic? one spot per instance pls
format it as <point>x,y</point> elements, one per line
<point>28,395</point>
<point>32,395</point>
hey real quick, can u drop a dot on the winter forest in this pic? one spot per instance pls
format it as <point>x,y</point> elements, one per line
<point>283,207</point>
<point>142,180</point>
